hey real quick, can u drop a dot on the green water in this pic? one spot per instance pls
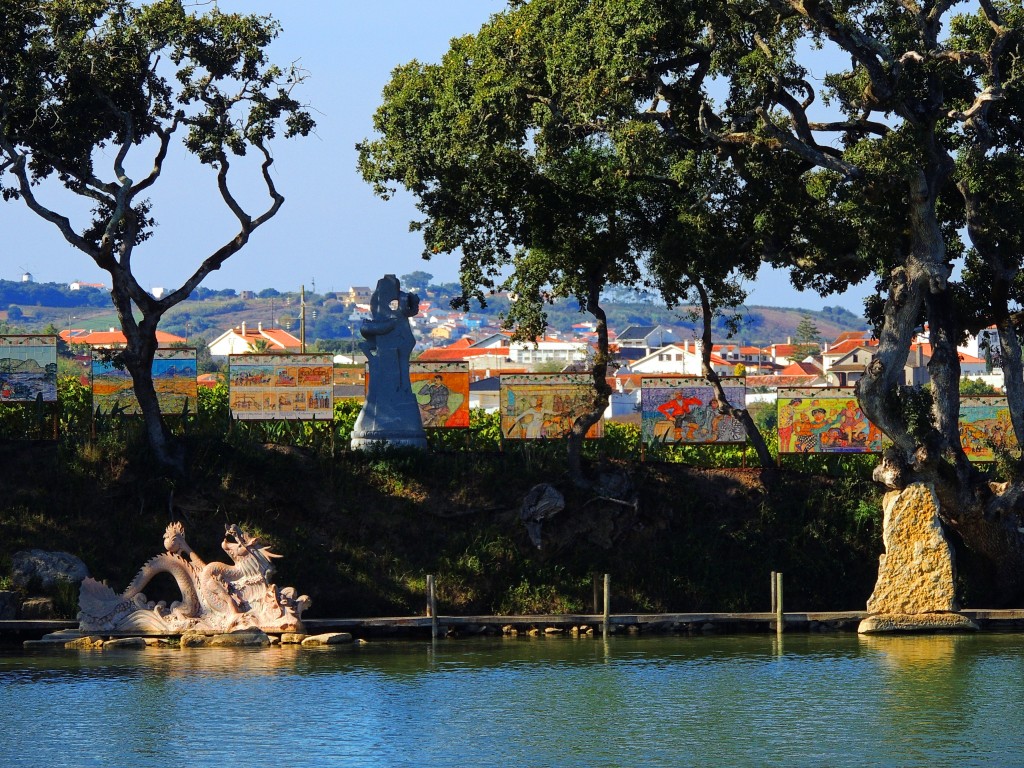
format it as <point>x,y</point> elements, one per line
<point>814,700</point>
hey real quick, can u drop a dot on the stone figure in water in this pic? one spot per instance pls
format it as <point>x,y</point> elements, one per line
<point>391,415</point>
<point>215,596</point>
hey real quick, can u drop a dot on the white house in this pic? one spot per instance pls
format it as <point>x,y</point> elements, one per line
<point>684,359</point>
<point>242,340</point>
<point>548,350</point>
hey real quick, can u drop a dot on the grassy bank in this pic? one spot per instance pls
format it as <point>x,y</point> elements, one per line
<point>359,532</point>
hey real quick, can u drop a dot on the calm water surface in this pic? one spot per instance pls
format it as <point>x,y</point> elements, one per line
<point>812,700</point>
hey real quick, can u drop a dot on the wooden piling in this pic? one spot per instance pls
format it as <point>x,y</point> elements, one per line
<point>432,606</point>
<point>780,621</point>
<point>607,603</point>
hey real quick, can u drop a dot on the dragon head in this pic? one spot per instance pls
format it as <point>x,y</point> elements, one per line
<point>174,539</point>
<point>239,545</point>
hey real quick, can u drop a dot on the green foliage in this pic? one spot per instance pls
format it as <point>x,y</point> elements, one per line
<point>90,87</point>
<point>75,399</point>
<point>974,387</point>
<point>65,598</point>
<point>620,441</point>
<point>916,407</point>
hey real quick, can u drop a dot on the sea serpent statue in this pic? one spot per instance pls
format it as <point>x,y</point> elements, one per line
<point>214,596</point>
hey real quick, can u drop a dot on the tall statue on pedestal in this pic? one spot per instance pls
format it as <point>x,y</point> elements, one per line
<point>391,415</point>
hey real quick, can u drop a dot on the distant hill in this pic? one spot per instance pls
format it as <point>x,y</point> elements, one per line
<point>31,307</point>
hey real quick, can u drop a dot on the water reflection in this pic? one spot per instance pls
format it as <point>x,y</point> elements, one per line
<point>747,700</point>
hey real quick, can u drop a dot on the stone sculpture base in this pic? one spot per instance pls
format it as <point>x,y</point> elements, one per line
<point>915,622</point>
<point>915,591</point>
<point>390,423</point>
<point>367,441</point>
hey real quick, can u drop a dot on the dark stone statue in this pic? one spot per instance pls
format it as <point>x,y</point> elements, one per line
<point>391,415</point>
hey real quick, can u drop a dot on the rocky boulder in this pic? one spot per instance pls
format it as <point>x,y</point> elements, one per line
<point>916,589</point>
<point>10,601</point>
<point>37,569</point>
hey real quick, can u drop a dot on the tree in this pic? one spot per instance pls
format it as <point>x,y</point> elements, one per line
<point>88,83</point>
<point>508,147</point>
<point>499,174</point>
<point>565,121</point>
<point>807,339</point>
<point>923,138</point>
<point>417,280</point>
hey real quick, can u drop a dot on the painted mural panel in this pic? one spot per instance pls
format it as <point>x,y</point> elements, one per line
<point>985,428</point>
<point>28,368</point>
<point>281,387</point>
<point>442,393</point>
<point>816,420</point>
<point>539,406</point>
<point>684,410</point>
<point>174,379</point>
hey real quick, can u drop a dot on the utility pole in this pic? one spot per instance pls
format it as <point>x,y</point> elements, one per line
<point>302,320</point>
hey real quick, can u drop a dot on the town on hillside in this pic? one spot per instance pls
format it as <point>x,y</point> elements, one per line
<point>223,323</point>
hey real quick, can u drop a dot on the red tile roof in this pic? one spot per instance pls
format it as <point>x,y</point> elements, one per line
<point>848,345</point>
<point>115,338</point>
<point>800,369</point>
<point>451,353</point>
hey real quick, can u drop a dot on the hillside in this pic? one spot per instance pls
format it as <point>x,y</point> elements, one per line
<point>30,308</point>
<point>358,533</point>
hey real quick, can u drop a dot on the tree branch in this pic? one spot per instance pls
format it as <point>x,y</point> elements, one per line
<point>63,224</point>
<point>247,225</point>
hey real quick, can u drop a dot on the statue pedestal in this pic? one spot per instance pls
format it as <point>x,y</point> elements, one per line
<point>389,423</point>
<point>915,591</point>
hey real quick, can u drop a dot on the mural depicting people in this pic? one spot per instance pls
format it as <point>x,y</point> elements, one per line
<point>852,423</point>
<point>787,414</point>
<point>433,400</point>
<point>532,423</point>
<point>677,411</point>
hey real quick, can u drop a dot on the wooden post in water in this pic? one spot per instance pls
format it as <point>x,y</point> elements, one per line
<point>780,621</point>
<point>774,584</point>
<point>597,593</point>
<point>607,602</point>
<point>432,606</point>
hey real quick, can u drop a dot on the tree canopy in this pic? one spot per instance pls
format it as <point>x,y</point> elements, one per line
<point>682,144</point>
<point>90,88</point>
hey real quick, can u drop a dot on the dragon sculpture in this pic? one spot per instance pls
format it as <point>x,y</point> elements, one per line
<point>215,596</point>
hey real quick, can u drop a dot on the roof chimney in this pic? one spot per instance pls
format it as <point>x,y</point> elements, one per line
<point>243,327</point>
<point>259,326</point>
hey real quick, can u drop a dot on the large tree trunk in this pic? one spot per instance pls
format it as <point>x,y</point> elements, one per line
<point>138,359</point>
<point>726,408</point>
<point>602,392</point>
<point>986,517</point>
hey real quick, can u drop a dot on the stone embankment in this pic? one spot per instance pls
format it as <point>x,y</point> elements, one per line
<point>72,639</point>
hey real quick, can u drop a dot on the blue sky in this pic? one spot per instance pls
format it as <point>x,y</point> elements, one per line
<point>332,232</point>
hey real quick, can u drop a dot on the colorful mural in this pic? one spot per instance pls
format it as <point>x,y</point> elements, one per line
<point>815,420</point>
<point>281,387</point>
<point>174,378</point>
<point>985,428</point>
<point>28,368</point>
<point>442,393</point>
<point>684,409</point>
<point>538,406</point>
